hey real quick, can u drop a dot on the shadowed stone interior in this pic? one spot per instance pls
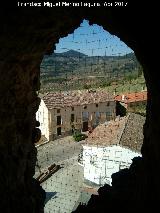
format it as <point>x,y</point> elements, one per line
<point>26,35</point>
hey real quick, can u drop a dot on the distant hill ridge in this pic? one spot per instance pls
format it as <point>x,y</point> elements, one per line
<point>74,53</point>
<point>70,53</point>
<point>77,63</point>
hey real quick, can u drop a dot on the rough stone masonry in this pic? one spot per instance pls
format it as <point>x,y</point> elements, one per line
<point>26,35</point>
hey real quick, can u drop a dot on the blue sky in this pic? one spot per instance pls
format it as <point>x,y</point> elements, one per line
<point>92,40</point>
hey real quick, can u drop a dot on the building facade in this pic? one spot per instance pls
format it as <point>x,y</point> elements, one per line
<point>61,114</point>
<point>42,116</point>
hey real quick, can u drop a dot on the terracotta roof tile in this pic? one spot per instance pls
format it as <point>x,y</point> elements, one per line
<point>124,131</point>
<point>108,133</point>
<point>132,97</point>
<point>73,98</point>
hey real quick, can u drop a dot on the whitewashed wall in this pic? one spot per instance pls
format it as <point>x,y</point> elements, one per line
<point>42,117</point>
<point>101,162</point>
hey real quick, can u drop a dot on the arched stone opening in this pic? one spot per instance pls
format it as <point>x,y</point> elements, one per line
<point>26,37</point>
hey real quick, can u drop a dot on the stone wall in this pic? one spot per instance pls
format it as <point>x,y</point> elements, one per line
<point>26,35</point>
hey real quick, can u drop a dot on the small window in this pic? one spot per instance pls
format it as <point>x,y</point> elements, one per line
<point>85,116</point>
<point>58,120</point>
<point>59,131</point>
<point>97,114</point>
<point>58,110</point>
<point>96,105</point>
<point>108,114</point>
<point>72,108</point>
<point>85,107</point>
<point>108,104</point>
<point>72,117</point>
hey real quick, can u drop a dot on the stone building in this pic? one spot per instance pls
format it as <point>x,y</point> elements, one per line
<point>111,147</point>
<point>62,113</point>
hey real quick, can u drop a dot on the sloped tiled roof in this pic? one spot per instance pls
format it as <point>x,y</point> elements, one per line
<point>73,98</point>
<point>124,131</point>
<point>108,133</point>
<point>132,97</point>
<point>132,136</point>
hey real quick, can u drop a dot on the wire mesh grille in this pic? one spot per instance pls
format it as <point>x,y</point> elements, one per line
<point>88,151</point>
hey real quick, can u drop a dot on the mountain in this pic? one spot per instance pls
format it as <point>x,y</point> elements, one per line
<point>78,64</point>
<point>70,53</point>
<point>73,70</point>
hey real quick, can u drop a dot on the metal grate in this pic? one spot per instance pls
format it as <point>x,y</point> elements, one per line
<point>89,60</point>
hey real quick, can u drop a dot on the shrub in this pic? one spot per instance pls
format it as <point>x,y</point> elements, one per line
<point>79,137</point>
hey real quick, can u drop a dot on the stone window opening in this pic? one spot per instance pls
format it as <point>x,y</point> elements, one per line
<point>85,124</point>
<point>24,54</point>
